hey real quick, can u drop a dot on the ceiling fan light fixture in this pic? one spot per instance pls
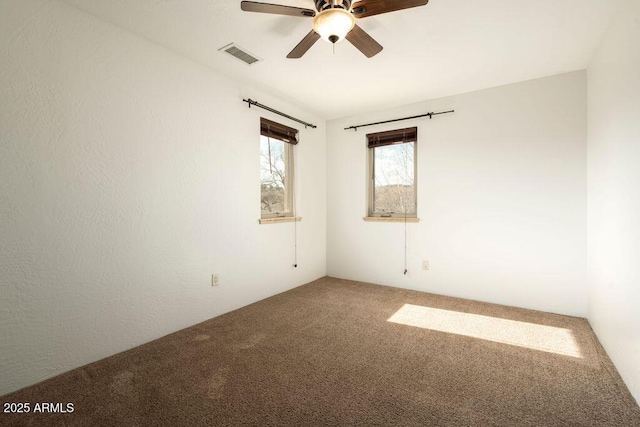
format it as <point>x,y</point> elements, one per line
<point>333,24</point>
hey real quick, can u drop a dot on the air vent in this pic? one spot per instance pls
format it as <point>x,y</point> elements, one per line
<point>240,53</point>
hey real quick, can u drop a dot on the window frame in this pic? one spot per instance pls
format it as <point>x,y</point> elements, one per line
<point>289,137</point>
<point>381,139</point>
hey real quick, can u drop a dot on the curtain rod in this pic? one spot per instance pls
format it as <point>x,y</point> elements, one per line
<point>397,120</point>
<point>264,107</point>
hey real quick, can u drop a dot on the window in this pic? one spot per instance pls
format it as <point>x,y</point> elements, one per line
<point>392,166</point>
<point>276,169</point>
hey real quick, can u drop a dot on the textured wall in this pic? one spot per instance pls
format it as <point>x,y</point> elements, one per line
<point>128,175</point>
<point>501,198</point>
<point>614,193</point>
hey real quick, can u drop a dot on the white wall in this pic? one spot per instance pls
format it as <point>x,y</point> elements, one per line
<point>501,198</point>
<point>614,193</point>
<point>128,175</point>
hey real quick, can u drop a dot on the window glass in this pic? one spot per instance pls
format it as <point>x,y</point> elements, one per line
<point>275,179</point>
<point>394,189</point>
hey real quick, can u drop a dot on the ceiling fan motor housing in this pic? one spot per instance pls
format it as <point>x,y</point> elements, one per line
<point>332,4</point>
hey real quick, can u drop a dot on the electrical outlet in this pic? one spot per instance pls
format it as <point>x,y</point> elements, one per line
<point>215,279</point>
<point>425,265</point>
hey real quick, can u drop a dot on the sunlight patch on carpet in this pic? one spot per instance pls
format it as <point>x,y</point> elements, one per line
<point>522,334</point>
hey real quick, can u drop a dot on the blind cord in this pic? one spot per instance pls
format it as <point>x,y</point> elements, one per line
<point>295,232</point>
<point>406,169</point>
<point>405,240</point>
<point>295,240</point>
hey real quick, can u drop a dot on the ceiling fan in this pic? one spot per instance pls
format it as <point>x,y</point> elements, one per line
<point>336,20</point>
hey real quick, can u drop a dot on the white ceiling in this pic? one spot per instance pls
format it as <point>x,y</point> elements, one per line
<point>443,48</point>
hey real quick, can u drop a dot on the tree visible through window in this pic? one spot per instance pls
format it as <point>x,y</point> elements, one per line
<point>392,190</point>
<point>273,176</point>
<point>276,169</point>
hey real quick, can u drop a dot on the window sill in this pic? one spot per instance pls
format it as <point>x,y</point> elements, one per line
<point>278,220</point>
<point>389,219</point>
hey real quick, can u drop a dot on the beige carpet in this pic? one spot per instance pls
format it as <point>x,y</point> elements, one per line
<point>342,353</point>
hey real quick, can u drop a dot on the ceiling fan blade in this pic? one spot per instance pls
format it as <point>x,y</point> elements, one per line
<point>363,42</point>
<point>278,9</point>
<point>304,45</point>
<point>365,8</point>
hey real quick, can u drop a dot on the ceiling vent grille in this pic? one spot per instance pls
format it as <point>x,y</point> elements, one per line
<point>240,53</point>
